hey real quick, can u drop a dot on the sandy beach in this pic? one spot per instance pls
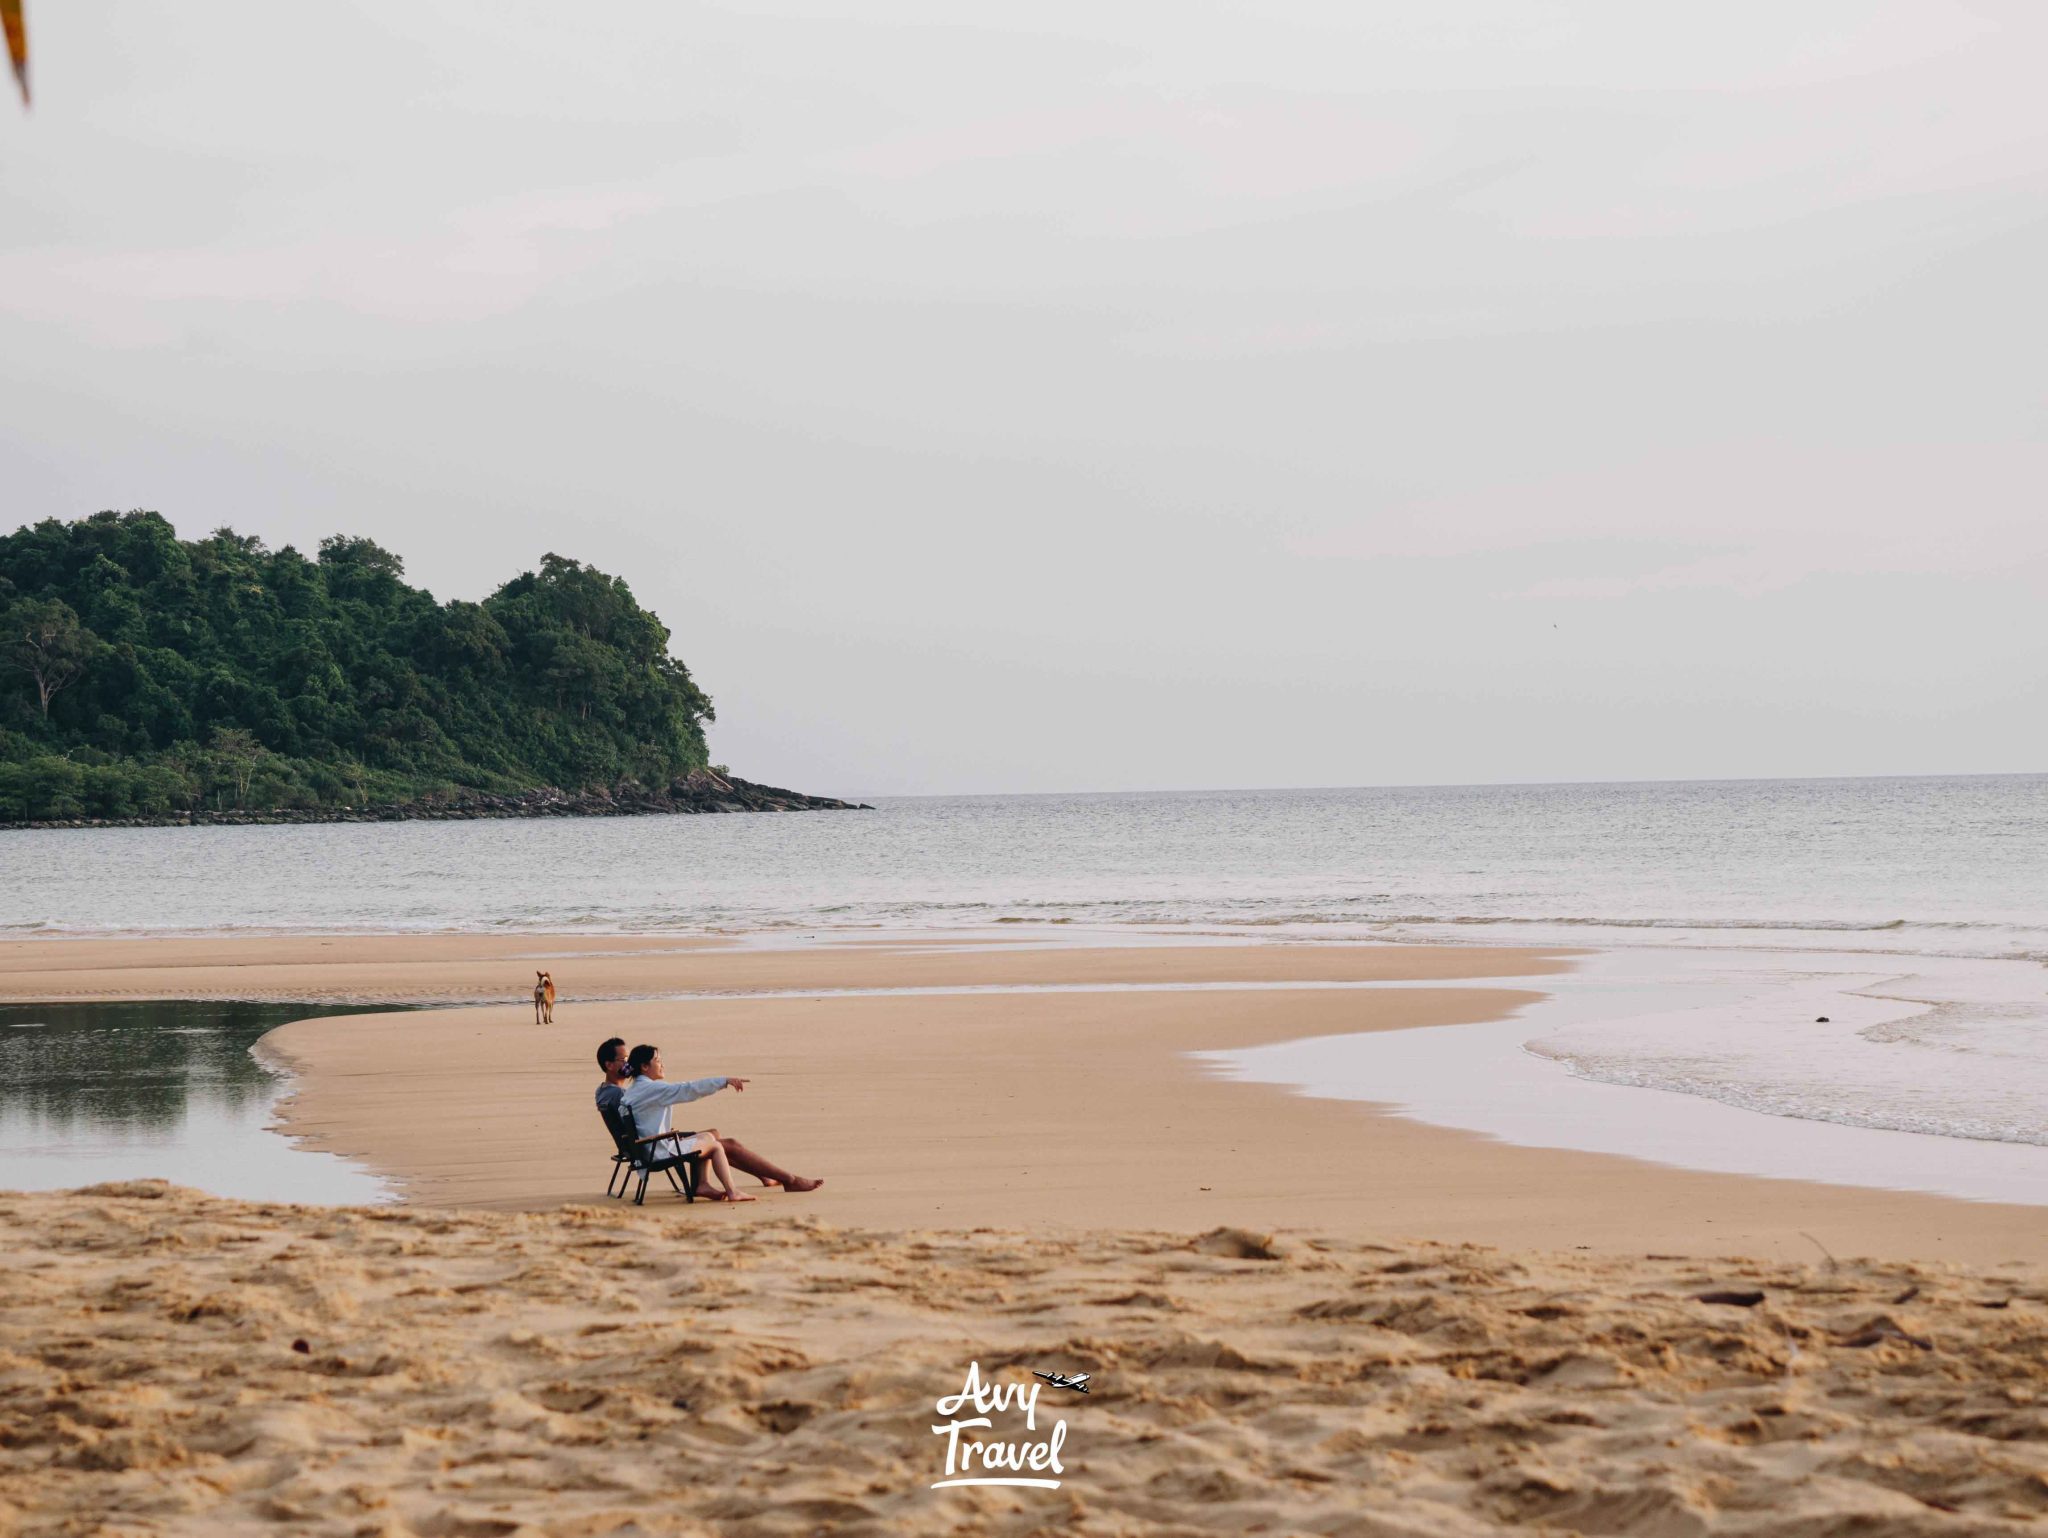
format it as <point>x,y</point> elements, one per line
<point>1074,1106</point>
<point>1301,1314</point>
<point>173,1363</point>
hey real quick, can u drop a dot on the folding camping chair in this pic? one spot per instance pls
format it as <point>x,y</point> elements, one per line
<point>643,1156</point>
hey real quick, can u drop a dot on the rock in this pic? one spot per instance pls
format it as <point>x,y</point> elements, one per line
<point>698,792</point>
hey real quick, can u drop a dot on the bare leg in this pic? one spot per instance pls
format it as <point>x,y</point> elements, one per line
<point>745,1160</point>
<point>714,1154</point>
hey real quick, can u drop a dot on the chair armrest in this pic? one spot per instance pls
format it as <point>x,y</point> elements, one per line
<point>662,1137</point>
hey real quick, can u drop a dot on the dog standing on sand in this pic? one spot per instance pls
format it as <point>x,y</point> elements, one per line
<point>544,998</point>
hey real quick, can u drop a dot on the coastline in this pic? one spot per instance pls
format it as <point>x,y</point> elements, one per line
<point>1077,1108</point>
<point>700,793</point>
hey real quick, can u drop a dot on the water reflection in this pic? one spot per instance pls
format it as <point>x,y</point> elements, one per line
<point>168,1089</point>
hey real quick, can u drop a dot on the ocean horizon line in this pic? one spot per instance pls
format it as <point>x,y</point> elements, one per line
<point>1567,784</point>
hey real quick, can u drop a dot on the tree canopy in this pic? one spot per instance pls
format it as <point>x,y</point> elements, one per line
<point>144,675</point>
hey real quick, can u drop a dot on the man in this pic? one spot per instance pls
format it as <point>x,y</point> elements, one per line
<point>611,1062</point>
<point>622,1073</point>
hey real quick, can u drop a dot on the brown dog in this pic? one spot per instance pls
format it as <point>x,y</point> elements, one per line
<point>544,998</point>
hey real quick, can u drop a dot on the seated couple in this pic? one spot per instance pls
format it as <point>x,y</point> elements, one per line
<point>634,1081</point>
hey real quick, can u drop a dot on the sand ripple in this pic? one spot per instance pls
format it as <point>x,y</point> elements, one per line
<point>174,1363</point>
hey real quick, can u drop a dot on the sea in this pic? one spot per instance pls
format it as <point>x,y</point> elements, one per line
<point>1869,955</point>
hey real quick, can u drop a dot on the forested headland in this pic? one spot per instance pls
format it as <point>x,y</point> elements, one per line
<point>146,677</point>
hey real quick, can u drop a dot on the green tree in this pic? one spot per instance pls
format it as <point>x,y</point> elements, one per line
<point>44,639</point>
<point>236,669</point>
<point>237,753</point>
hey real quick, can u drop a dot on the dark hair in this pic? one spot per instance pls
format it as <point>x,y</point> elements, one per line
<point>638,1059</point>
<point>609,1049</point>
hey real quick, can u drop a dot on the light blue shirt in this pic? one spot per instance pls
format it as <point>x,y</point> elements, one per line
<point>652,1100</point>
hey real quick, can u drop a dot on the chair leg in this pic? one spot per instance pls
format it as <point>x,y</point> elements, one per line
<point>640,1196</point>
<point>674,1184</point>
<point>618,1169</point>
<point>693,1171</point>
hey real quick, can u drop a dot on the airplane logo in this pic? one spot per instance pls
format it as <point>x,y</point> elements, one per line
<point>1078,1382</point>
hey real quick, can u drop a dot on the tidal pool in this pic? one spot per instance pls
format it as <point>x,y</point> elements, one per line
<point>164,1089</point>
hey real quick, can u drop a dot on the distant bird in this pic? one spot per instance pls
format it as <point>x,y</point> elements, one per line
<point>1078,1382</point>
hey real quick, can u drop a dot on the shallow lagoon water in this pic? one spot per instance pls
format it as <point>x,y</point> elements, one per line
<point>159,1090</point>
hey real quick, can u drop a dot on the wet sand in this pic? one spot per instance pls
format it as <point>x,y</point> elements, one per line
<point>1069,1110</point>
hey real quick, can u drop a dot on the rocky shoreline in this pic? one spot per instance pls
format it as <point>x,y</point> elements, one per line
<point>697,793</point>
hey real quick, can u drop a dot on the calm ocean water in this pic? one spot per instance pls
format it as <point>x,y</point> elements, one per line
<point>1951,866</point>
<point>1912,912</point>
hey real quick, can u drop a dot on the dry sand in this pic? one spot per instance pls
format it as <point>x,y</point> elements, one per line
<point>172,1363</point>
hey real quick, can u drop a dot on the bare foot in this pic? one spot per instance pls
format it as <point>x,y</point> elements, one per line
<point>799,1183</point>
<point>729,1196</point>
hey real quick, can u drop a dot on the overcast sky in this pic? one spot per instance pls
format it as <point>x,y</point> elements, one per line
<point>1081,396</point>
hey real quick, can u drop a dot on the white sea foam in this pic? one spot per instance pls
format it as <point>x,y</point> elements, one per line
<point>1933,1080</point>
<point>1954,1048</point>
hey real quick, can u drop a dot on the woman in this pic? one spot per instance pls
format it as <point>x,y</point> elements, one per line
<point>651,1099</point>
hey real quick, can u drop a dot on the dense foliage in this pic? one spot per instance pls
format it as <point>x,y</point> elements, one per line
<point>142,675</point>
